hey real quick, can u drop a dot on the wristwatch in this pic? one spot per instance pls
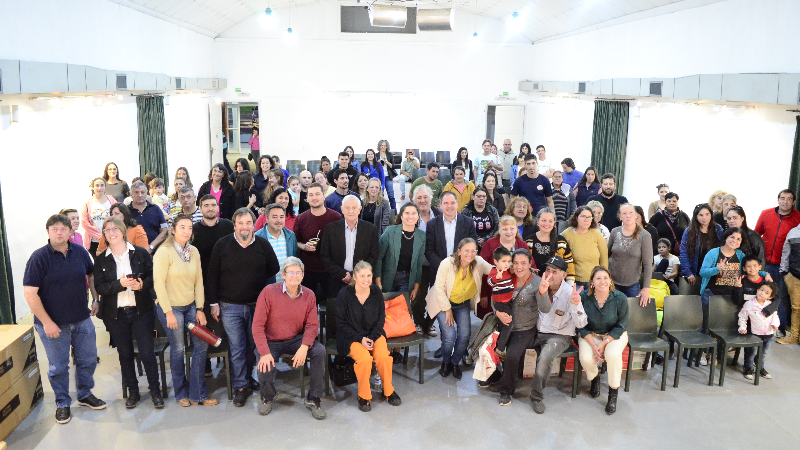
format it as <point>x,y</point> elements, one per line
<point>151,247</point>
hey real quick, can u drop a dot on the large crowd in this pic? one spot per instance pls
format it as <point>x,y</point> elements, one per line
<point>552,252</point>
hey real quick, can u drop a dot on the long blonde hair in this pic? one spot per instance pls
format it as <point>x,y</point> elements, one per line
<point>379,200</point>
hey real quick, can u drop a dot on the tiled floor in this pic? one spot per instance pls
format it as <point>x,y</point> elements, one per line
<point>442,413</point>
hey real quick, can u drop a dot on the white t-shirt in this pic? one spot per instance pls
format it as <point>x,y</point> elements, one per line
<point>99,214</point>
<point>482,164</point>
<point>673,260</point>
<point>544,166</point>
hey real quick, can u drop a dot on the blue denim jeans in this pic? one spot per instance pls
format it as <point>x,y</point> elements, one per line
<point>784,308</point>
<point>195,386</point>
<point>238,322</point>
<point>81,337</point>
<point>455,338</point>
<point>629,291</point>
<point>400,283</point>
<point>750,352</point>
<point>388,186</point>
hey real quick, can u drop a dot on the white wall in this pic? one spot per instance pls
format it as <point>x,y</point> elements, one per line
<point>734,36</point>
<point>57,148</point>
<point>694,149</point>
<point>322,90</point>
<point>101,34</point>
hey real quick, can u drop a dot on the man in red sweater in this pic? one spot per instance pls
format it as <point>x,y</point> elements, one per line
<point>285,322</point>
<point>773,225</point>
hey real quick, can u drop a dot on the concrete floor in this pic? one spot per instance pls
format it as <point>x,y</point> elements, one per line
<point>442,413</point>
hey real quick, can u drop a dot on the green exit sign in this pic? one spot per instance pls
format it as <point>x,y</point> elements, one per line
<point>238,89</point>
<point>505,94</point>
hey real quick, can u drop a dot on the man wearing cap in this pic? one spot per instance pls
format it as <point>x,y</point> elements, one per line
<point>556,327</point>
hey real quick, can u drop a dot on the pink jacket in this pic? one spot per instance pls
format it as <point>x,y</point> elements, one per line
<point>759,325</point>
<point>88,225</point>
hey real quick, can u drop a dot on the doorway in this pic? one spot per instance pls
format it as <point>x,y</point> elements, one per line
<point>239,119</point>
<point>505,122</point>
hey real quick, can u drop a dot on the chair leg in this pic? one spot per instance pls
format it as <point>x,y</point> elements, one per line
<point>712,364</point>
<point>327,377</point>
<point>162,363</point>
<point>664,370</point>
<point>723,355</point>
<point>303,381</point>
<point>647,358</point>
<point>628,371</point>
<point>405,356</point>
<point>678,368</point>
<point>576,376</point>
<point>562,366</point>
<point>759,359</point>
<point>227,361</point>
<point>735,361</point>
<point>419,364</point>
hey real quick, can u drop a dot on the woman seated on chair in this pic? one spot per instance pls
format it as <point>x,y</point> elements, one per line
<point>604,337</point>
<point>360,315</point>
<point>123,279</point>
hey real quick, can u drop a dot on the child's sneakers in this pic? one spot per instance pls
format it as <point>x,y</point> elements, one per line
<point>749,373</point>
<point>765,374</point>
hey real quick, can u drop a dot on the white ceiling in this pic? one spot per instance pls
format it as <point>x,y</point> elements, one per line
<point>541,19</point>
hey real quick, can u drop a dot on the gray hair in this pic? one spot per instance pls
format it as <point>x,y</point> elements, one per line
<point>425,188</point>
<point>595,204</point>
<point>242,212</point>
<point>351,198</point>
<point>138,184</point>
<point>292,261</point>
<point>729,197</point>
<point>361,265</point>
<point>186,189</point>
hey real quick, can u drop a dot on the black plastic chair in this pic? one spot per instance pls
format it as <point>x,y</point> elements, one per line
<point>643,337</point>
<point>223,351</point>
<point>684,288</point>
<point>562,225</point>
<point>443,157</point>
<point>658,276</point>
<point>571,351</point>
<point>295,169</point>
<point>683,319</point>
<point>444,175</point>
<point>313,166</point>
<point>427,157</point>
<point>419,173</point>
<point>723,325</point>
<point>295,162</point>
<point>160,346</point>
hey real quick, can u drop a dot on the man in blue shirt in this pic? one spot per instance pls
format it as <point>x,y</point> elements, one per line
<point>536,188</point>
<point>571,175</point>
<point>334,200</point>
<point>148,215</point>
<point>55,287</point>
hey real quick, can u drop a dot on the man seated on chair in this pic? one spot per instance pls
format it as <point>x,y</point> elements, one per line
<point>556,327</point>
<point>286,322</point>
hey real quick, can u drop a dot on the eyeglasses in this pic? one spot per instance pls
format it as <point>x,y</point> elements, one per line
<point>112,230</point>
<point>293,274</point>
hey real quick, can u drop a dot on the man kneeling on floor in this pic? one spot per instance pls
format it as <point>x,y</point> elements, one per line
<point>286,322</point>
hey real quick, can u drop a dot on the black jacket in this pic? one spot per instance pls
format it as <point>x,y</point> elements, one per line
<point>332,247</point>
<point>226,200</point>
<point>108,286</point>
<point>354,321</point>
<point>436,244</point>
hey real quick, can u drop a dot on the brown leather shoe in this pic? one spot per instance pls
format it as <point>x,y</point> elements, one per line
<point>184,402</point>
<point>207,402</point>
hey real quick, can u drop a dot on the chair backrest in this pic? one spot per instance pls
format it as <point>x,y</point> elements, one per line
<point>723,313</point>
<point>427,157</point>
<point>330,319</point>
<point>443,156</point>
<point>444,175</point>
<point>295,162</point>
<point>397,158</point>
<point>682,313</point>
<point>659,276</point>
<point>684,288</point>
<point>419,173</point>
<point>641,319</point>
<point>313,166</point>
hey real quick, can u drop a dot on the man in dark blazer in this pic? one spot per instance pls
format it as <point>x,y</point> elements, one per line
<point>346,242</point>
<point>438,244</point>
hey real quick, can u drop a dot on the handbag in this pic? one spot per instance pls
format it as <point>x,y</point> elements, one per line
<point>676,245</point>
<point>342,371</point>
<point>398,321</point>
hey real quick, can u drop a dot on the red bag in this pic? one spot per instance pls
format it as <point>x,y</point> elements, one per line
<point>398,320</point>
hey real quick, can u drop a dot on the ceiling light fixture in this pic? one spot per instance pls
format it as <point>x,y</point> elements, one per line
<point>515,15</point>
<point>268,11</point>
<point>289,30</point>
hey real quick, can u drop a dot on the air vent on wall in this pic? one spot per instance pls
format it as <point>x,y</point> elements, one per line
<point>582,87</point>
<point>535,86</point>
<point>178,83</point>
<point>655,88</point>
<point>356,19</point>
<point>122,81</point>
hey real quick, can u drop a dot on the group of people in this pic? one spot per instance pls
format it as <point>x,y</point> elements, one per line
<point>556,251</point>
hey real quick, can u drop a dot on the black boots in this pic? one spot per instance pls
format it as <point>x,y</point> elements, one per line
<point>611,406</point>
<point>446,369</point>
<point>594,391</point>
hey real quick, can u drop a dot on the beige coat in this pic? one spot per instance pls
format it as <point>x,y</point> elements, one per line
<point>438,298</point>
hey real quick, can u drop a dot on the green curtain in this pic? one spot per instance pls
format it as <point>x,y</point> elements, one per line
<point>8,314</point>
<point>794,172</point>
<point>610,139</point>
<point>152,137</point>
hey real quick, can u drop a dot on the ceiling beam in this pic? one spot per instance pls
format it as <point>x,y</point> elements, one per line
<point>157,15</point>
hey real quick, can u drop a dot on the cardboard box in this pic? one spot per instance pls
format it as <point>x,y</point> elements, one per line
<point>17,402</point>
<point>17,353</point>
<point>529,366</point>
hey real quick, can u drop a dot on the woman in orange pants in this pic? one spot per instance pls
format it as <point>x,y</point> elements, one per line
<point>360,315</point>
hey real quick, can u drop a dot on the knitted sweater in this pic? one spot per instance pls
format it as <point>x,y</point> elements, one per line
<point>588,250</point>
<point>177,283</point>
